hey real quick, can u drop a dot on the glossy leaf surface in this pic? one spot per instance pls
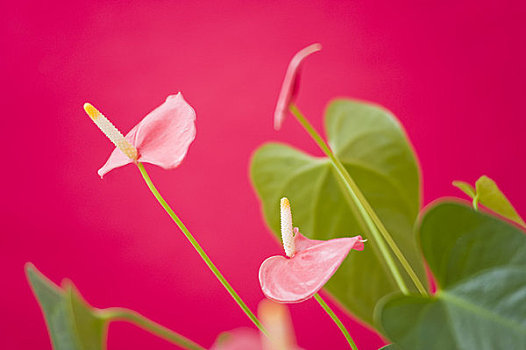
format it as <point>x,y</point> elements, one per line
<point>479,263</point>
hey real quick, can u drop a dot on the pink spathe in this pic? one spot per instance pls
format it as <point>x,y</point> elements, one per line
<point>296,279</point>
<point>290,86</point>
<point>161,138</point>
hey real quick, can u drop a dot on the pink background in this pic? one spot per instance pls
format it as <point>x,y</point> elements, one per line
<point>453,73</point>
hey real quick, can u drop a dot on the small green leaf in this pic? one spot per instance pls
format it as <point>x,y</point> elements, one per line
<point>465,187</point>
<point>488,194</point>
<point>479,263</point>
<point>492,198</point>
<point>72,324</point>
<point>374,149</point>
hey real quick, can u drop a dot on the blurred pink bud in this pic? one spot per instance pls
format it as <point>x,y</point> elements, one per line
<point>296,279</point>
<point>276,320</point>
<point>238,339</point>
<point>161,138</point>
<point>290,86</point>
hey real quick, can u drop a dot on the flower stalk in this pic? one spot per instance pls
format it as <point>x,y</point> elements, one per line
<point>199,249</point>
<point>336,320</point>
<point>173,124</point>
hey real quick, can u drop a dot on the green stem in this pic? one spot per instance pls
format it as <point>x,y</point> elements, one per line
<point>476,202</point>
<point>400,256</point>
<point>121,314</point>
<point>371,219</point>
<point>336,320</point>
<point>200,250</point>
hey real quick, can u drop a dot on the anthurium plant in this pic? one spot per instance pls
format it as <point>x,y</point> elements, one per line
<point>365,240</point>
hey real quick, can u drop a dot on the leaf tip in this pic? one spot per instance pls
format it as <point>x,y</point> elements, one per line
<point>485,178</point>
<point>32,273</point>
<point>67,285</point>
<point>29,268</point>
<point>465,187</point>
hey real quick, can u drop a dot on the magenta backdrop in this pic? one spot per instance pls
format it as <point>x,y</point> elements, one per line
<point>453,73</point>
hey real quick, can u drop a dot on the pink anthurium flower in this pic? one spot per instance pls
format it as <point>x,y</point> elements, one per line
<point>290,86</point>
<point>161,138</point>
<point>308,266</point>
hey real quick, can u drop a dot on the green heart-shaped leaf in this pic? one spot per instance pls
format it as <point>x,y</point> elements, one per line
<point>72,323</point>
<point>487,193</point>
<point>492,198</point>
<point>374,149</point>
<point>479,263</point>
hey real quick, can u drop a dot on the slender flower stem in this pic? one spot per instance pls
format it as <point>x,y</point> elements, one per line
<point>392,244</point>
<point>200,250</point>
<point>372,221</point>
<point>336,320</point>
<point>121,314</point>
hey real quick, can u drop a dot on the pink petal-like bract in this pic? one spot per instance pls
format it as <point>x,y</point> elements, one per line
<point>290,86</point>
<point>161,138</point>
<point>292,280</point>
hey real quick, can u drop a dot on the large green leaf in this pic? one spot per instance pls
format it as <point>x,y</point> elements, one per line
<point>374,149</point>
<point>479,263</point>
<point>72,324</point>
